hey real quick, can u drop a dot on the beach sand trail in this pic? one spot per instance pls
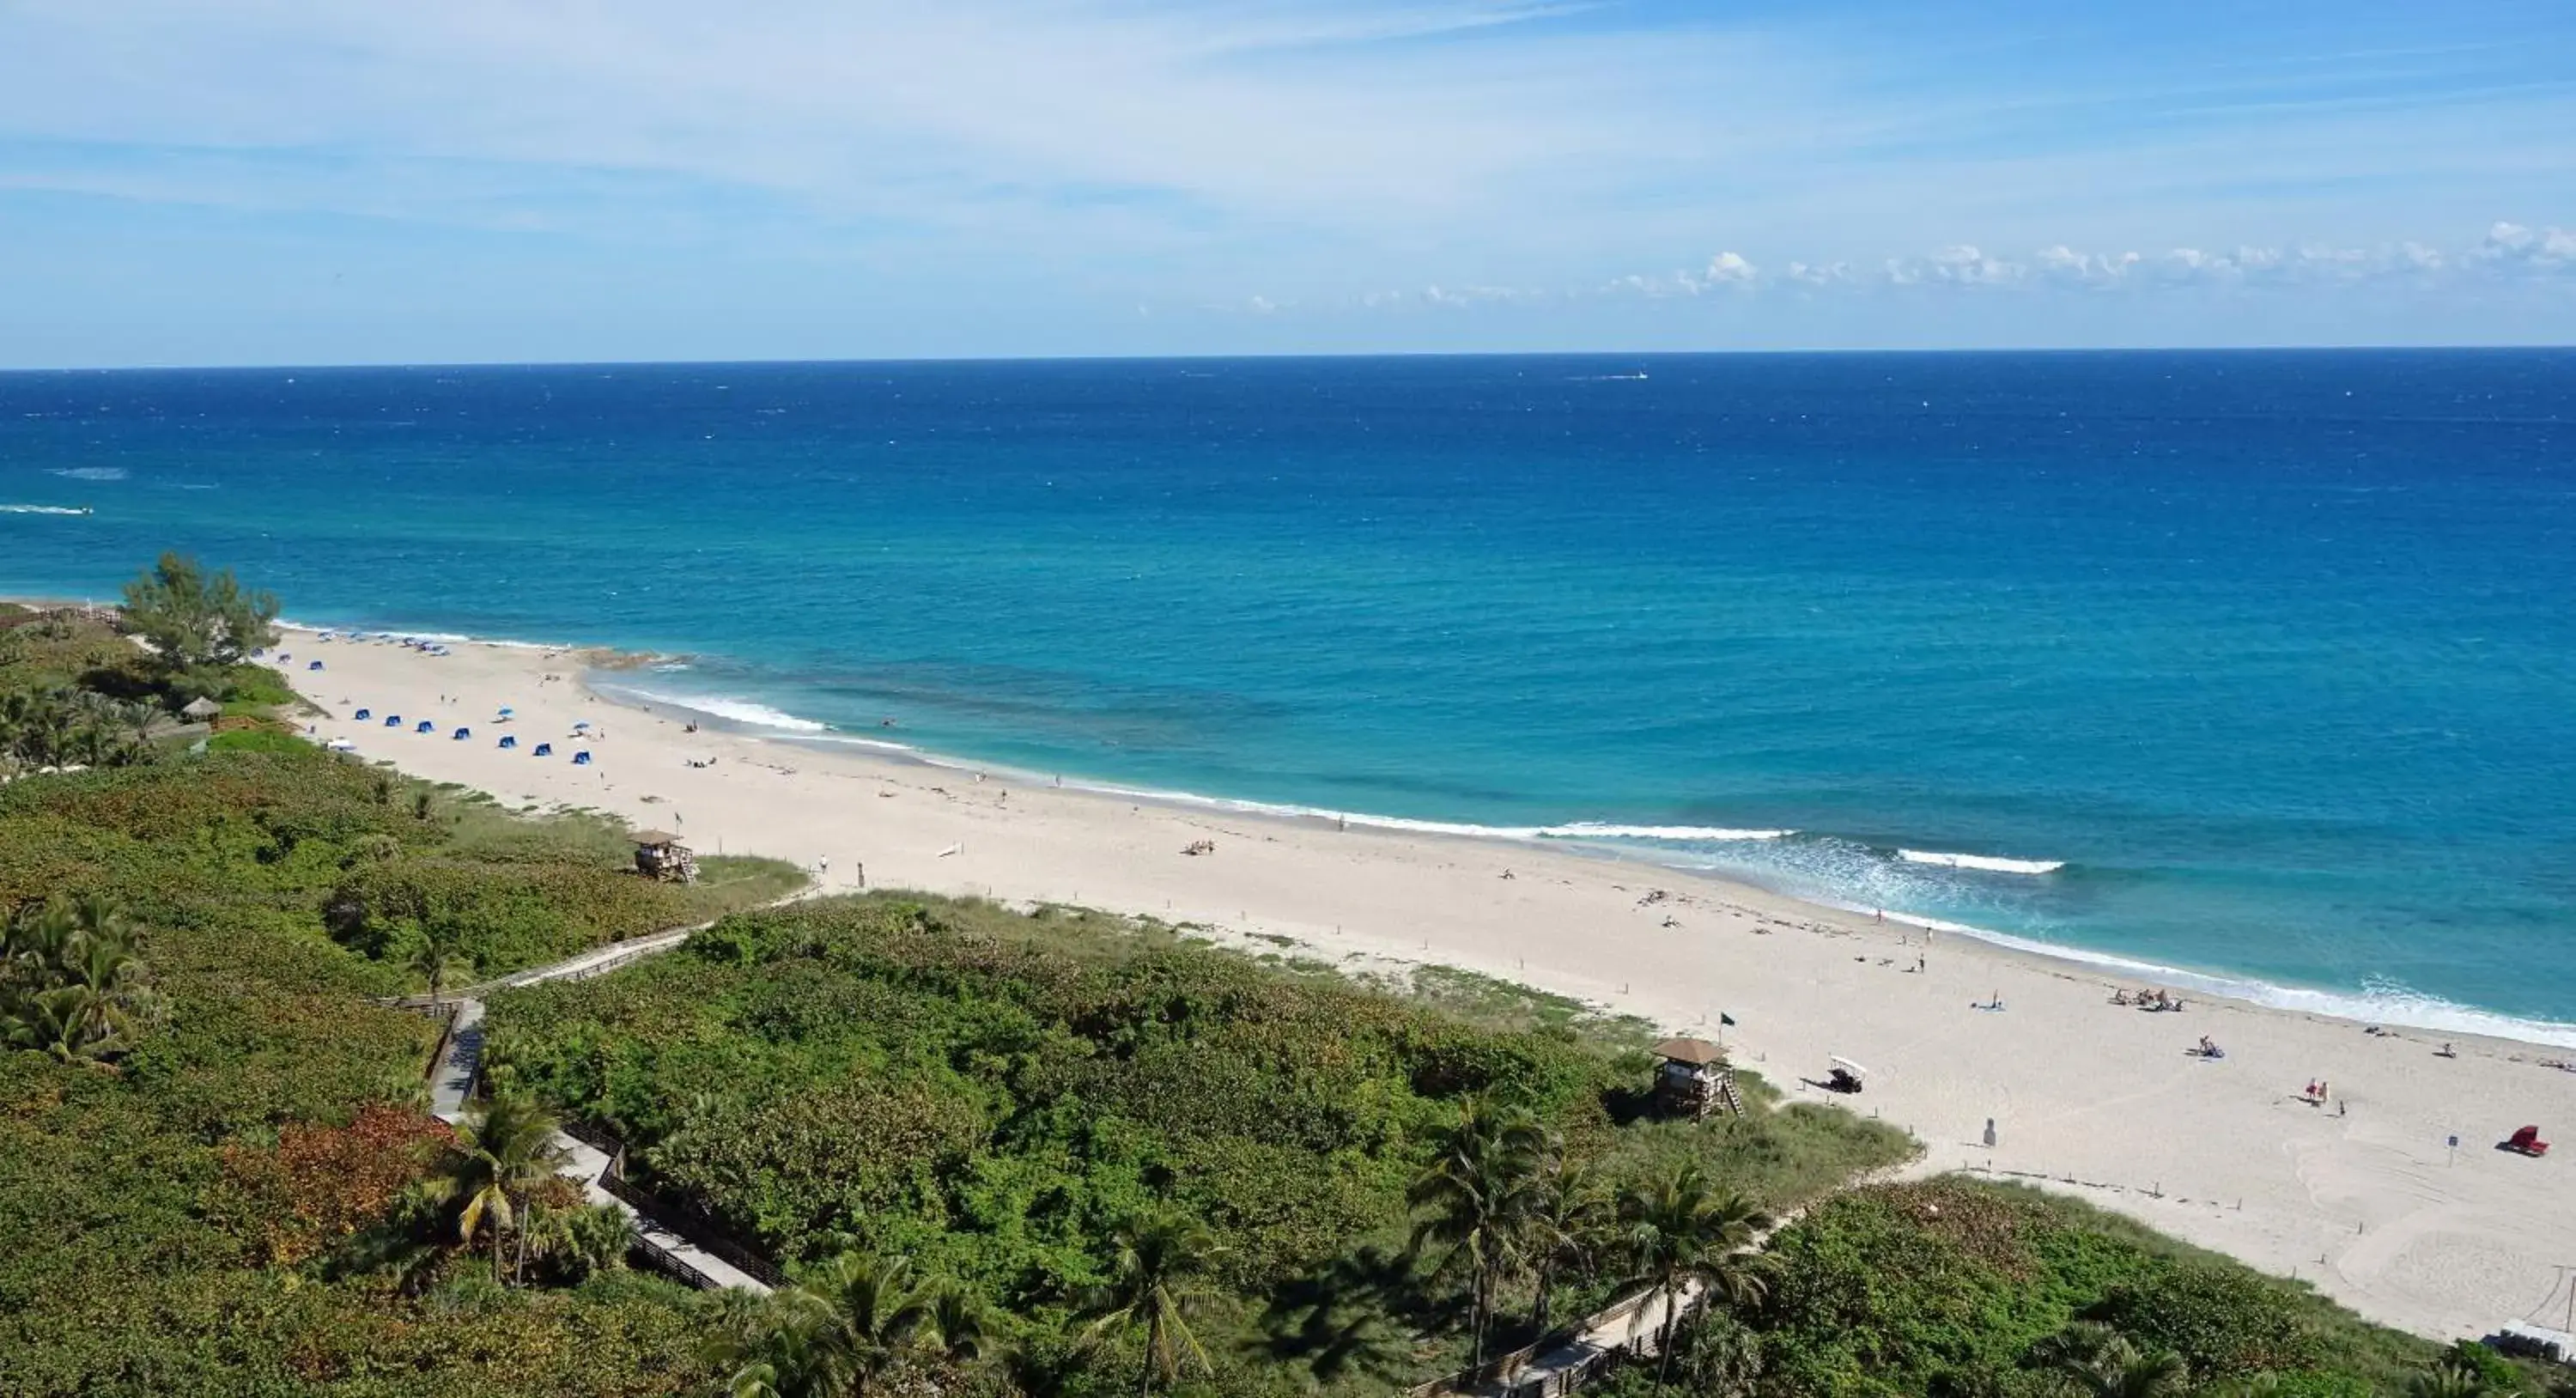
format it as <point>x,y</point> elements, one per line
<point>2094,1099</point>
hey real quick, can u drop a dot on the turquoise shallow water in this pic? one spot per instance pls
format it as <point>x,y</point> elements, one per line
<point>2271,652</point>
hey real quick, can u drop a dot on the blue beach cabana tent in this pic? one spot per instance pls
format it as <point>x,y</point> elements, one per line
<point>581,759</point>
<point>362,715</point>
<point>508,742</point>
<point>545,750</point>
<point>463,733</point>
<point>315,665</point>
<point>393,720</point>
<point>424,726</point>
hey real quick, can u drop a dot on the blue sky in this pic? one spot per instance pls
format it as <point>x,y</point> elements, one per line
<point>312,181</point>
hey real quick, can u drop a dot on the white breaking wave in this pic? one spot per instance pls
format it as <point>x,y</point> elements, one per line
<point>90,473</point>
<point>1595,830</point>
<point>1992,864</point>
<point>734,710</point>
<point>40,510</point>
<point>2391,1004</point>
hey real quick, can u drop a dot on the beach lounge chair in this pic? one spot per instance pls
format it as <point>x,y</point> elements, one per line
<point>2525,1141</point>
<point>581,759</point>
<point>424,726</point>
<point>508,742</point>
<point>463,733</point>
<point>545,750</point>
<point>362,715</point>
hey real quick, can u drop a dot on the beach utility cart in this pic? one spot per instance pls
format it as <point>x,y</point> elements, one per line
<point>1845,1076</point>
<point>1694,1080</point>
<point>660,856</point>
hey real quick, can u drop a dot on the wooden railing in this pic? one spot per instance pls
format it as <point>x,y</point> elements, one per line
<point>681,1217</point>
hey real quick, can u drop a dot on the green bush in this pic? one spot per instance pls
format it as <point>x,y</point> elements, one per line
<point>254,740</point>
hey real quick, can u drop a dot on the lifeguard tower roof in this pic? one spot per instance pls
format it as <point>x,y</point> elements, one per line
<point>656,837</point>
<point>1698,1053</point>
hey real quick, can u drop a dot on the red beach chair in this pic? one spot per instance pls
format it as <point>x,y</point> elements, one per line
<point>2527,1142</point>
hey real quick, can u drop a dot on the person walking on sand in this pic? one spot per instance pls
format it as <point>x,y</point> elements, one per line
<point>861,870</point>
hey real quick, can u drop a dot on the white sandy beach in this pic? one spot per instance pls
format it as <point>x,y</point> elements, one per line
<point>2362,1196</point>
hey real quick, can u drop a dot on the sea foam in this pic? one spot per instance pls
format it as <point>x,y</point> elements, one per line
<point>1992,864</point>
<point>742,711</point>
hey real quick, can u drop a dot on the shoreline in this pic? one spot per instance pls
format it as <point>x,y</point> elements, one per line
<point>2429,1015</point>
<point>2360,1196</point>
<point>2422,1014</point>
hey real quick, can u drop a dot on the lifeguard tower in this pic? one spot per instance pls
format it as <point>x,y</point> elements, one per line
<point>660,856</point>
<point>1693,1080</point>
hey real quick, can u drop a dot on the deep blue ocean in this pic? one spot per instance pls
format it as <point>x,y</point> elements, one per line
<point>2273,653</point>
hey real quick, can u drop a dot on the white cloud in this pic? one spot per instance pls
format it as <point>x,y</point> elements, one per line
<point>2516,244</point>
<point>2507,246</point>
<point>1729,269</point>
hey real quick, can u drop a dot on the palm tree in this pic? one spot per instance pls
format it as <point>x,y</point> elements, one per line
<point>599,1238</point>
<point>1478,1194</point>
<point>69,1022</point>
<point>831,1334</point>
<point>1678,1230</point>
<point>435,957</point>
<point>70,982</point>
<point>499,1156</point>
<point>2450,1377</point>
<point>1567,1218</point>
<point>871,1308</point>
<point>954,1329</point>
<point>1159,1257</point>
<point>2103,1363</point>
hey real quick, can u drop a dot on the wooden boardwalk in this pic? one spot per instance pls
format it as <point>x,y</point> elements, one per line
<point>452,1086</point>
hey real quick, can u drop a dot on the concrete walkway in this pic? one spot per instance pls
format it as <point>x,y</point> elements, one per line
<point>452,1084</point>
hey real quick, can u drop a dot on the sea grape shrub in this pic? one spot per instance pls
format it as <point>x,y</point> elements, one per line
<point>2223,1321</point>
<point>321,1184</point>
<point>1045,1084</point>
<point>1952,1287</point>
<point>496,914</point>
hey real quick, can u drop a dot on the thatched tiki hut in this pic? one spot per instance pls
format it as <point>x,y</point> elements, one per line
<point>660,855</point>
<point>201,710</point>
<point>1693,1079</point>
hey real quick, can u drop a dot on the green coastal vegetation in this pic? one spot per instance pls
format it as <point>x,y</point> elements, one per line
<point>987,1151</point>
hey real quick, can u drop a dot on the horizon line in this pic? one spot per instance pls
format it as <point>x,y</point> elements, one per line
<point>1292,356</point>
